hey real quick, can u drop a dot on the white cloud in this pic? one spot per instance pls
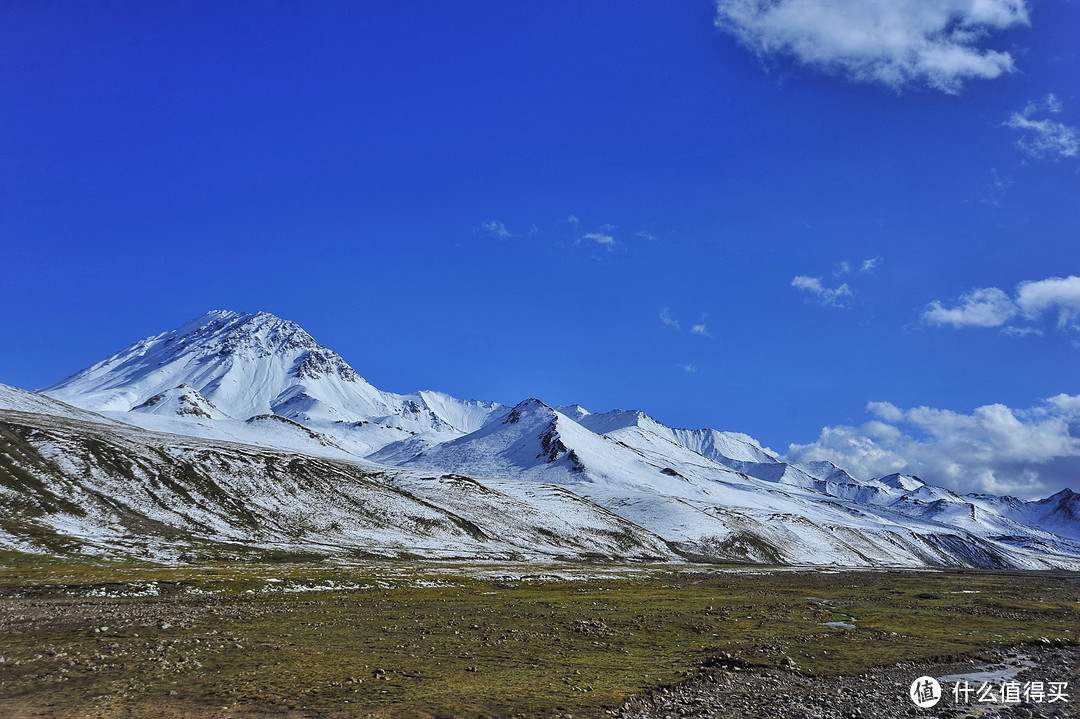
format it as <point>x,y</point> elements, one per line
<point>689,368</point>
<point>494,228</point>
<point>1060,293</point>
<point>1028,453</point>
<point>988,307</point>
<point>700,330</point>
<point>1066,403</point>
<point>829,297</point>
<point>667,319</point>
<point>992,307</point>
<point>896,42</point>
<point>842,268</point>
<point>886,410</point>
<point>870,265</point>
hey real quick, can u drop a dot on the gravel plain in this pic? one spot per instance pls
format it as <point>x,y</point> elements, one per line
<point>734,689</point>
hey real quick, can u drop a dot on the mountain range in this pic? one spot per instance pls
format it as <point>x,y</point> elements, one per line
<point>240,435</point>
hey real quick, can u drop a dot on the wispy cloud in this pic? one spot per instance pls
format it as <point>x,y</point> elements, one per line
<point>604,235</point>
<point>1044,138</point>
<point>1030,452</point>
<point>901,43</point>
<point>600,238</point>
<point>826,296</point>
<point>1021,331</point>
<point>1050,104</point>
<point>698,328</point>
<point>868,266</point>
<point>570,231</point>
<point>993,307</point>
<point>494,228</point>
<point>689,368</point>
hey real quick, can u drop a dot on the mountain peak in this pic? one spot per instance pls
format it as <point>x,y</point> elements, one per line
<point>264,334</point>
<point>1065,499</point>
<point>182,401</point>
<point>573,411</point>
<point>530,408</point>
<point>229,364</point>
<point>616,419</point>
<point>226,332</point>
<point>906,482</point>
<point>239,361</point>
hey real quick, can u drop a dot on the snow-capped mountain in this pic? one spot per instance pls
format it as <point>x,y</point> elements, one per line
<point>636,468</point>
<point>233,365</point>
<point>725,447</point>
<point>72,482</point>
<point>567,480</point>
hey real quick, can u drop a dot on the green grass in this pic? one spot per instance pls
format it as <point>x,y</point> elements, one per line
<point>421,639</point>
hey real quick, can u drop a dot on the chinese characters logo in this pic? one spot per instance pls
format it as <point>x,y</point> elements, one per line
<point>925,692</point>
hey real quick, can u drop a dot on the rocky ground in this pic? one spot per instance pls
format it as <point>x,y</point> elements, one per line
<point>734,689</point>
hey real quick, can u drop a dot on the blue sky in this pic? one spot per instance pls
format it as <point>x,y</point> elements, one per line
<point>852,230</point>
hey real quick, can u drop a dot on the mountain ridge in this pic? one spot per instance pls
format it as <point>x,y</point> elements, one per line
<point>260,381</point>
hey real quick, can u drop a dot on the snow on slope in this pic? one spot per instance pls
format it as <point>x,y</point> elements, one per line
<point>705,507</point>
<point>1006,517</point>
<point>902,481</point>
<point>20,400</point>
<point>638,471</point>
<point>259,380</point>
<point>1058,513</point>
<point>733,446</point>
<point>232,364</point>
<point>72,486</point>
<point>182,401</point>
<point>574,411</point>
<point>534,441</point>
<point>240,362</point>
<point>821,477</point>
<point>710,443</point>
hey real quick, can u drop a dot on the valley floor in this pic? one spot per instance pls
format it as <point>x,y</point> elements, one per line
<point>386,640</point>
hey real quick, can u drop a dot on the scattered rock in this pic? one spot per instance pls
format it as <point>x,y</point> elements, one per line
<point>719,690</point>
